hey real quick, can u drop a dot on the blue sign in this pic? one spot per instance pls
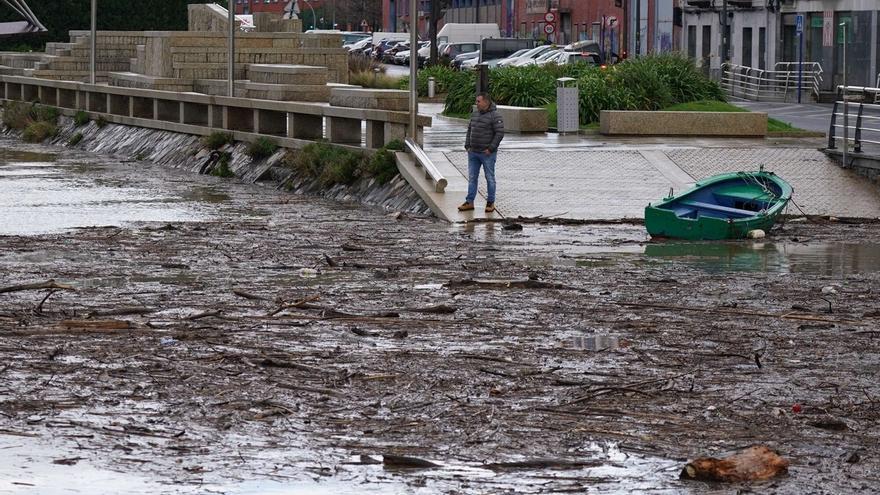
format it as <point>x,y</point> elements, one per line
<point>800,24</point>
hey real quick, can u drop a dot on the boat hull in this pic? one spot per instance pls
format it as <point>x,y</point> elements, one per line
<point>700,213</point>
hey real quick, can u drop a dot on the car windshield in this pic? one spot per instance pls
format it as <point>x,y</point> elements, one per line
<point>518,53</point>
<point>549,55</point>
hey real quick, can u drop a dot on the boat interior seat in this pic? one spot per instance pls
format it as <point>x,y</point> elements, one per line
<point>723,209</point>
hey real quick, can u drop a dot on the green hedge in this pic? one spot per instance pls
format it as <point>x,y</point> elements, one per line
<point>646,83</point>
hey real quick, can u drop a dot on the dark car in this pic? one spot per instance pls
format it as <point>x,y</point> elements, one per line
<point>388,55</point>
<point>452,50</point>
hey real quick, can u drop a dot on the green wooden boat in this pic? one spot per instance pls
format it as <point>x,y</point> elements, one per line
<point>725,206</point>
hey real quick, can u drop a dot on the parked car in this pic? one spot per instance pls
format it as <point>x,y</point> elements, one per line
<point>543,59</point>
<point>513,56</point>
<point>359,46</point>
<point>388,55</point>
<point>460,59</point>
<point>529,55</point>
<point>569,58</point>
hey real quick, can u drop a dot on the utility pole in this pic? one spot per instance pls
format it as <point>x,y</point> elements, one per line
<point>230,84</point>
<point>413,69</point>
<point>93,42</point>
<point>725,42</point>
<point>477,11</point>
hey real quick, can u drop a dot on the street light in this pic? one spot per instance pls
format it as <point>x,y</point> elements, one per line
<point>230,86</point>
<point>314,20</point>
<point>92,42</point>
<point>413,71</point>
<point>845,106</point>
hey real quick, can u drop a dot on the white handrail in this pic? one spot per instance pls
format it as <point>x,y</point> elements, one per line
<point>431,172</point>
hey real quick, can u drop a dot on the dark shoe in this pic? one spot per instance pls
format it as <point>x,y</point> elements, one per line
<point>490,207</point>
<point>466,206</point>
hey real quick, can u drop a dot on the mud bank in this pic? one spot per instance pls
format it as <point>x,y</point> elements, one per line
<point>184,151</point>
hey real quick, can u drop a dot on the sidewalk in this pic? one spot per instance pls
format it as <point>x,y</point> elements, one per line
<point>594,177</point>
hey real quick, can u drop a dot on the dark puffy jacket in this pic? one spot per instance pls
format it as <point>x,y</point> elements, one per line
<point>485,131</point>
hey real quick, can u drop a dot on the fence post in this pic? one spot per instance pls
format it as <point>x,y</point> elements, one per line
<point>858,136</point>
<point>831,144</point>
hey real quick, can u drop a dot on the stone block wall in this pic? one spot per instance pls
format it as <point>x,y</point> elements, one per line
<point>209,17</point>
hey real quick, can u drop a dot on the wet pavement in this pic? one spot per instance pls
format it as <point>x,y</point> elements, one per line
<point>265,342</point>
<point>594,177</point>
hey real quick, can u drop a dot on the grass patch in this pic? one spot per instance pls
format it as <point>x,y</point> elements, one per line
<point>261,148</point>
<point>75,139</point>
<point>216,140</point>
<point>457,115</point>
<point>81,118</point>
<point>704,106</point>
<point>773,125</point>
<point>39,131</point>
<point>222,169</point>
<point>101,122</point>
<point>382,165</point>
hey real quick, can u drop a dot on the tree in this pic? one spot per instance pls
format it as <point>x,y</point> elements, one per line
<point>438,10</point>
<point>61,16</point>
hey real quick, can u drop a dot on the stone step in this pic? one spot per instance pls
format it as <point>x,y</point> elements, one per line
<point>287,74</point>
<point>133,80</point>
<point>287,92</point>
<point>380,99</point>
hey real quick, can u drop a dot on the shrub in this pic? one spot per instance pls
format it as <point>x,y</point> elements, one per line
<point>75,139</point>
<point>529,86</point>
<point>101,122</point>
<point>261,148</point>
<point>216,140</point>
<point>370,79</point>
<point>382,166</point>
<point>222,168</point>
<point>360,63</point>
<point>329,164</point>
<point>38,131</point>
<point>16,114</point>
<point>394,144</point>
<point>443,76</point>
<point>462,91</point>
<point>81,118</point>
<point>20,115</point>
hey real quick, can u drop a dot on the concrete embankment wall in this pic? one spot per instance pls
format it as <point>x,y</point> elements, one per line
<point>184,151</point>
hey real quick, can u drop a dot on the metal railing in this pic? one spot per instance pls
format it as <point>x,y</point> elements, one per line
<point>855,119</point>
<point>421,159</point>
<point>779,84</point>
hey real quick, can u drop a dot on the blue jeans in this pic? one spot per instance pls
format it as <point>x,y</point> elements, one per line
<point>475,161</point>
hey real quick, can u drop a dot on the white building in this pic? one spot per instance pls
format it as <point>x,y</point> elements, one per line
<point>764,32</point>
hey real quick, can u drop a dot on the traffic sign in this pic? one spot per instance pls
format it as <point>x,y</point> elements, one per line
<point>550,17</point>
<point>549,29</point>
<point>610,21</point>
<point>800,23</point>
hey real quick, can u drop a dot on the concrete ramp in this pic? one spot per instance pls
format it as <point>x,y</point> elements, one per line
<point>444,204</point>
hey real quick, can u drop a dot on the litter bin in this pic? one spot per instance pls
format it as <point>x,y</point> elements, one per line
<point>567,119</point>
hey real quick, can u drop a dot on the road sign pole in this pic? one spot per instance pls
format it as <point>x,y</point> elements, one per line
<point>800,33</point>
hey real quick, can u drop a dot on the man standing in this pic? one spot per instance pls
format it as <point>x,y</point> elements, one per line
<point>484,134</point>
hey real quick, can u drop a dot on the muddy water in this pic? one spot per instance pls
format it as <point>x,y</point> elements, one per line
<point>42,193</point>
<point>597,246</point>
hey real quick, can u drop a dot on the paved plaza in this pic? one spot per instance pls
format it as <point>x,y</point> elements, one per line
<point>594,177</point>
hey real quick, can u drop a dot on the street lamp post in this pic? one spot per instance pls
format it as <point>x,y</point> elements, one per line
<point>413,68</point>
<point>230,86</point>
<point>845,105</point>
<point>93,44</point>
<point>314,19</point>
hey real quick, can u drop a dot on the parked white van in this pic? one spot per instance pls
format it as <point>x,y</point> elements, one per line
<point>467,33</point>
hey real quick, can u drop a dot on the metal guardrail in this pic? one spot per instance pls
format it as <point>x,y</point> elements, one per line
<point>778,84</point>
<point>421,159</point>
<point>855,119</point>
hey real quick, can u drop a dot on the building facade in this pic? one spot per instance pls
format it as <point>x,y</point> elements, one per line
<point>763,33</point>
<point>606,21</point>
